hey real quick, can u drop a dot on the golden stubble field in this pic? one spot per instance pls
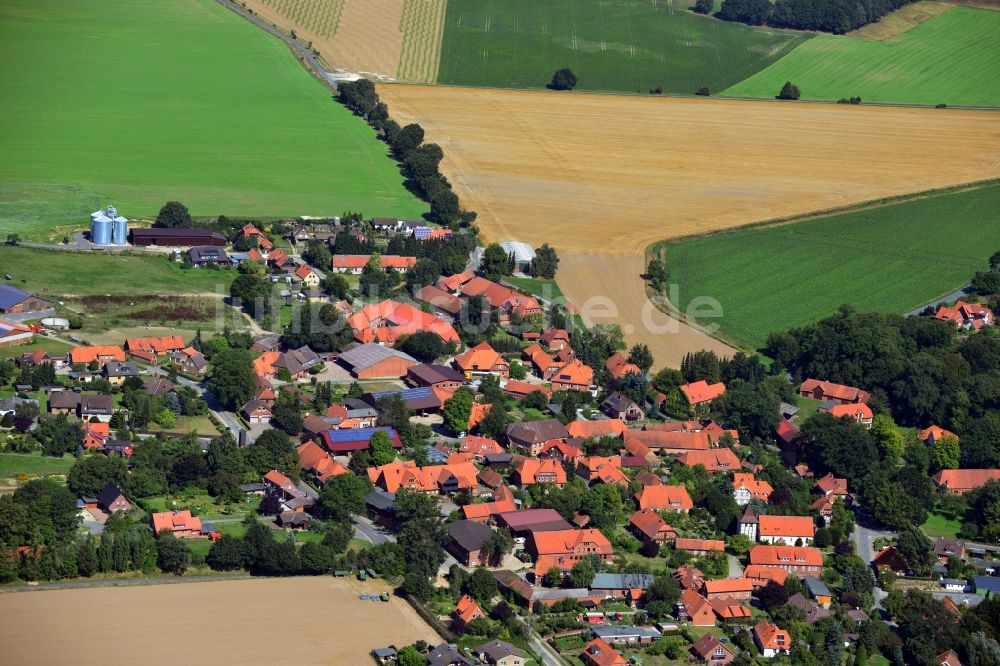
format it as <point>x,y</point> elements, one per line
<point>308,620</point>
<point>601,177</point>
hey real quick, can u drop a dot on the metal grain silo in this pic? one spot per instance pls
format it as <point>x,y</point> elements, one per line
<point>100,231</point>
<point>119,230</point>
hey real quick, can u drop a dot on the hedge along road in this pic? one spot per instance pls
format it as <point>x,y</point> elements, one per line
<point>602,177</point>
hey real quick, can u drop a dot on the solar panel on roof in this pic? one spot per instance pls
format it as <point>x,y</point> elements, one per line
<point>406,394</point>
<point>11,296</point>
<point>356,434</point>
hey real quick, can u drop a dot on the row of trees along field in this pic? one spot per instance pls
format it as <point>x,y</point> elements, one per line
<point>836,16</point>
<point>420,161</point>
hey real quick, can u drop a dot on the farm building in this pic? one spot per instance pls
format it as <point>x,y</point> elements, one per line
<point>12,334</point>
<point>177,237</point>
<point>355,439</point>
<point>372,361</point>
<point>14,300</point>
<point>522,252</point>
<point>203,255</point>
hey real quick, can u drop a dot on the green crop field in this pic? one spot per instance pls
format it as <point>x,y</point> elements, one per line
<point>136,103</point>
<point>950,59</point>
<point>892,258</point>
<point>55,272</point>
<point>616,46</point>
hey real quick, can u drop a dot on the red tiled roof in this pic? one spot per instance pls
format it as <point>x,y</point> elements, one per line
<point>467,609</point>
<point>481,358</point>
<point>714,545</point>
<point>786,526</point>
<point>728,586</point>
<point>596,429</point>
<point>660,498</point>
<point>965,479</point>
<point>160,345</point>
<point>834,391</point>
<point>175,521</point>
<point>701,391</point>
<point>935,432</point>
<point>714,460</point>
<point>530,468</point>
<point>786,556</point>
<point>397,319</point>
<point>673,440</point>
<point>771,636</point>
<point>560,542</point>
<point>88,354</point>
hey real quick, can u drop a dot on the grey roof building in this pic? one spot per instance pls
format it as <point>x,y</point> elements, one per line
<point>613,581</point>
<point>363,357</point>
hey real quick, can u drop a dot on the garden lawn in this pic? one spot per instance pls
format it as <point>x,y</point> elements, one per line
<point>939,526</point>
<point>136,103</point>
<point>950,59</point>
<point>51,345</point>
<point>547,290</point>
<point>892,258</point>
<point>54,272</point>
<point>615,46</point>
<point>13,465</point>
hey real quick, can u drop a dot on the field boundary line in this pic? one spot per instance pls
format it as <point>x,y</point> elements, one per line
<point>659,249</point>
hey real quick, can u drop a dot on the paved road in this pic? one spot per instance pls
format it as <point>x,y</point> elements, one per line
<point>864,538</point>
<point>545,652</point>
<point>365,529</point>
<point>735,568</point>
<point>953,296</point>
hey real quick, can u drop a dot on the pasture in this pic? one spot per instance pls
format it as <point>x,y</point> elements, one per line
<point>948,59</point>
<point>617,46</point>
<point>210,619</point>
<point>541,167</point>
<point>183,101</point>
<point>891,258</point>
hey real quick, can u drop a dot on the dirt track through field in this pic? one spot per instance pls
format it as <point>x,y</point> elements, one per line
<point>608,175</point>
<point>262,621</point>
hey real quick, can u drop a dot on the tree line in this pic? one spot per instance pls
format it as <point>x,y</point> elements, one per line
<point>420,161</point>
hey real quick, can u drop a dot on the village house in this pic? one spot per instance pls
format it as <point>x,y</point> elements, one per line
<point>309,276</point>
<point>831,485</point>
<point>501,653</point>
<point>624,634</point>
<point>933,433</point>
<point>829,391</point>
<point>746,488</point>
<point>465,612</point>
<point>543,363</point>
<point>760,575</point>
<point>298,362</point>
<point>598,653</point>
<point>179,523</point>
<point>522,523</point>
<point>355,263</point>
<point>695,609</point>
<point>670,441</point>
<point>961,481</point>
<point>563,548</point>
<point>648,526</point>
<point>700,394</point>
<point>618,366</point>
<point>446,479</point>
<point>533,470</point>
<point>713,460</point>
<point>190,361</point>
<point>858,412</point>
<point>100,354</point>
<point>601,469</point>
<point>819,591</point>
<point>503,501</point>
<point>735,588</point>
<point>771,640</point>
<point>83,406</point>
<point>574,376</point>
<point>479,447</point>
<point>482,360</point>
<point>389,320</point>
<point>664,498</point>
<point>282,496</point>
<point>314,460</point>
<point>701,547</point>
<point>621,407</point>
<point>466,541</point>
<point>530,436</point>
<point>505,300</point>
<point>709,650</point>
<point>799,560</point>
<point>970,316</point>
<point>517,389</point>
<point>348,440</point>
<point>112,499</point>
<point>580,429</point>
<point>117,372</point>
<point>444,303</point>
<point>786,530</point>
<point>159,346</point>
<point>257,412</point>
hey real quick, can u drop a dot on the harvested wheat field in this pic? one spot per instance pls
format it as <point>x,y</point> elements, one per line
<point>608,175</point>
<point>317,620</point>
<point>398,39</point>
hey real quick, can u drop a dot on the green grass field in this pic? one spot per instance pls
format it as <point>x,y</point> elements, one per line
<point>136,103</point>
<point>55,272</point>
<point>33,464</point>
<point>939,526</point>
<point>892,258</point>
<point>949,59</point>
<point>616,46</point>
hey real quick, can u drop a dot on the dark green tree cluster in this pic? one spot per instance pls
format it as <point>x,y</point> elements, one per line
<point>546,262</point>
<point>563,79</point>
<point>420,161</point>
